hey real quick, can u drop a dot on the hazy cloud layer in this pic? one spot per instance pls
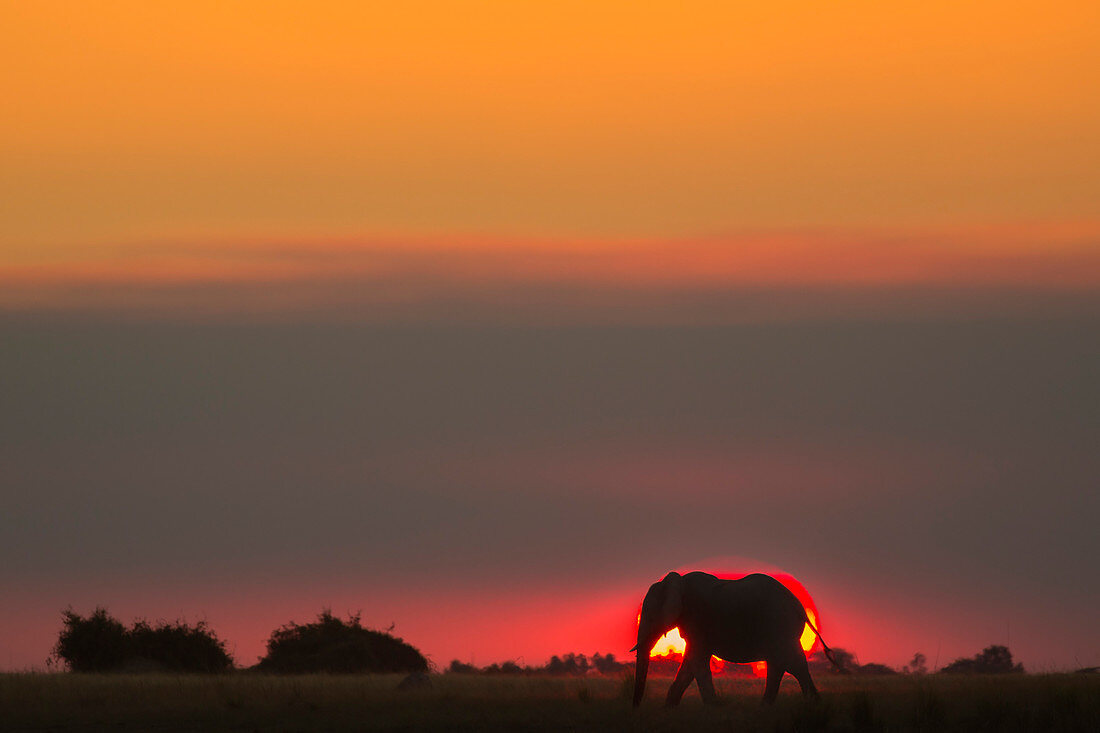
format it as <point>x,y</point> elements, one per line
<point>926,480</point>
<point>1038,271</point>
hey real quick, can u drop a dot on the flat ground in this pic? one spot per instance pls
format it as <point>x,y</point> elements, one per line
<point>249,702</point>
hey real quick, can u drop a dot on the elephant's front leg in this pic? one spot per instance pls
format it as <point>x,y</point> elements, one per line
<point>684,675</point>
<point>704,679</point>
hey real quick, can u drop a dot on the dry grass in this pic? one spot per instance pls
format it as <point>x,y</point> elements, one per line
<point>249,702</point>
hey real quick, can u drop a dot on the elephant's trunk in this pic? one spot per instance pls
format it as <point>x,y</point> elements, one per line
<point>641,667</point>
<point>660,612</point>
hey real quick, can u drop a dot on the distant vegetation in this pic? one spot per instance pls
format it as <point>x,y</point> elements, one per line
<point>330,644</point>
<point>566,665</point>
<point>848,662</point>
<point>101,643</point>
<point>660,666</point>
<point>992,660</point>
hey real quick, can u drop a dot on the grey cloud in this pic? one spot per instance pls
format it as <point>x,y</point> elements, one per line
<point>216,451</point>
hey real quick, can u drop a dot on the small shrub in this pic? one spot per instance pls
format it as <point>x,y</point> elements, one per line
<point>457,667</point>
<point>332,645</point>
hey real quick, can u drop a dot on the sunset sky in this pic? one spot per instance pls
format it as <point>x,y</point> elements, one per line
<point>481,316</point>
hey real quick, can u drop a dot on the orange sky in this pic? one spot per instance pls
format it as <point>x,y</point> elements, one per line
<point>620,130</point>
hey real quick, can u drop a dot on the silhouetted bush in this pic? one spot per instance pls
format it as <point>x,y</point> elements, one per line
<point>848,663</point>
<point>457,667</point>
<point>820,664</point>
<point>100,643</point>
<point>179,647</point>
<point>332,645</point>
<point>994,659</point>
<point>875,668</point>
<point>504,668</point>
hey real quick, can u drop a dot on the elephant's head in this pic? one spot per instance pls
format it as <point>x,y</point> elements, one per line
<point>660,613</point>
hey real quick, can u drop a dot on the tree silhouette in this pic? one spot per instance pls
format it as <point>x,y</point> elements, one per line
<point>570,664</point>
<point>917,665</point>
<point>605,664</point>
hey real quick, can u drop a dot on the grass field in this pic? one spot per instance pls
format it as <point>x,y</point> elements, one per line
<point>248,702</point>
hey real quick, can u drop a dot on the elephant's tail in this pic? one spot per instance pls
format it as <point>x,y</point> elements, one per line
<point>825,647</point>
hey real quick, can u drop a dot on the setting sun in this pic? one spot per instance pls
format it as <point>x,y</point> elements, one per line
<point>670,643</point>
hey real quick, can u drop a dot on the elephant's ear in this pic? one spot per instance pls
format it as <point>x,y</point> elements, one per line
<point>674,597</point>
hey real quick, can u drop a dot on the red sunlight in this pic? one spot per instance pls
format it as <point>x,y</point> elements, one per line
<point>669,649</point>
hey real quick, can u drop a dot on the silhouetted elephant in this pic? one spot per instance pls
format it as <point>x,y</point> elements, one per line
<point>751,619</point>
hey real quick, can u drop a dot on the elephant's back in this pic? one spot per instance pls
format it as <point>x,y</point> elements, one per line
<point>754,618</point>
<point>771,602</point>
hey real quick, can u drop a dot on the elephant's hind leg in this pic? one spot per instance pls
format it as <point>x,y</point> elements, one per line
<point>801,671</point>
<point>775,676</point>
